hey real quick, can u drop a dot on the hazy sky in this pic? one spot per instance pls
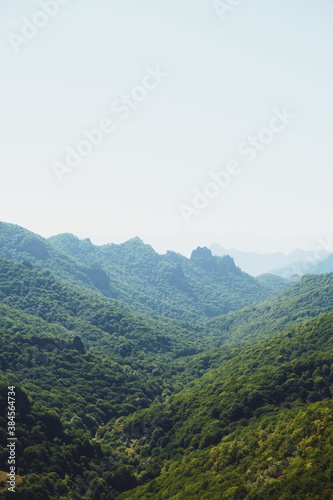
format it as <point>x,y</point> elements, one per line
<point>226,76</point>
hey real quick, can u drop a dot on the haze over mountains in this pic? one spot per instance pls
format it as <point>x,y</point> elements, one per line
<point>310,266</point>
<point>170,285</point>
<point>141,375</point>
<point>297,262</point>
<point>166,264</point>
<point>284,265</point>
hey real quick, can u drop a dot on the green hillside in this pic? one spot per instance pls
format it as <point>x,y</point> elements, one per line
<point>65,393</point>
<point>170,284</point>
<point>236,331</point>
<point>274,283</point>
<point>262,416</point>
<point>167,285</point>
<point>306,299</point>
<point>100,321</point>
<point>149,393</point>
<point>19,244</point>
<point>257,427</point>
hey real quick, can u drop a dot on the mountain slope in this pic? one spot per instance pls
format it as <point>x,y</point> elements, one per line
<point>100,321</point>
<point>257,264</point>
<point>320,266</point>
<point>258,392</point>
<point>170,284</point>
<point>284,456</point>
<point>306,299</point>
<point>65,391</point>
<point>163,285</point>
<point>325,266</point>
<point>237,331</point>
<point>274,283</point>
<point>19,244</point>
<point>233,434</point>
<point>117,402</point>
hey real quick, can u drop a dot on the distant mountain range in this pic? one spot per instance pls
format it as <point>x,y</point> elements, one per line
<point>169,285</point>
<point>139,375</point>
<point>308,266</point>
<point>298,262</point>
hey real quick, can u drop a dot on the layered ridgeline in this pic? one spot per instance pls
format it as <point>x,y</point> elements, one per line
<point>306,299</point>
<point>167,285</point>
<point>258,427</point>
<point>257,264</point>
<point>114,401</point>
<point>110,400</point>
<point>297,263</point>
<point>171,284</point>
<point>102,324</point>
<point>63,395</point>
<point>319,266</point>
<point>78,361</point>
<point>236,331</point>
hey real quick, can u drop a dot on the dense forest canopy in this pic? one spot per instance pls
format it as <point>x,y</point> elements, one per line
<point>147,376</point>
<point>167,285</point>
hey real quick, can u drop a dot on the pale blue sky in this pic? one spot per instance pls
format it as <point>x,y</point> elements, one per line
<point>225,80</point>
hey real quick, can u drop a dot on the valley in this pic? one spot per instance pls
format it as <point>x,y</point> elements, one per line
<point>140,375</point>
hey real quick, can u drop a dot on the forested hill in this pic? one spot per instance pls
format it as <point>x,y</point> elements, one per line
<point>101,322</point>
<point>306,299</point>
<point>236,331</point>
<point>167,285</point>
<point>258,427</point>
<point>64,393</point>
<point>170,284</point>
<point>130,384</point>
<point>19,244</point>
<point>80,363</point>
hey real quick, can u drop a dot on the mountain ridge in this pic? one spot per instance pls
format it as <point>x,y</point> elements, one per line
<point>116,400</point>
<point>257,264</point>
<point>169,285</point>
